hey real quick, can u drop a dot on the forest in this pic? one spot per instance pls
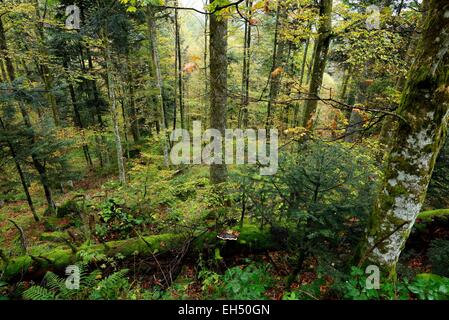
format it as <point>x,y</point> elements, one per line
<point>224,150</point>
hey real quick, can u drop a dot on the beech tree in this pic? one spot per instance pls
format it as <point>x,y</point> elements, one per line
<point>218,28</point>
<point>320,58</point>
<point>415,144</point>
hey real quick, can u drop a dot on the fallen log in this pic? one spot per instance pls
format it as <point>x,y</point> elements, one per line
<point>429,215</point>
<point>41,259</point>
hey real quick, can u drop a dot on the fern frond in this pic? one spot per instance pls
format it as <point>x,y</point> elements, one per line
<point>53,282</point>
<point>39,293</point>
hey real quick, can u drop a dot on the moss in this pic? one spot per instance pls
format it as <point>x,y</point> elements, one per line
<point>53,236</point>
<point>252,235</point>
<point>44,257</point>
<point>429,215</point>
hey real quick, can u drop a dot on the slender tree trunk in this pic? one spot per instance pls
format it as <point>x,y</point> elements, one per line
<point>125,126</point>
<point>218,85</point>
<point>79,123</point>
<point>206,67</point>
<point>319,63</point>
<point>21,175</point>
<point>243,116</point>
<point>179,87</point>
<point>95,96</point>
<point>151,22</point>
<point>134,119</point>
<point>304,60</point>
<point>114,114</point>
<point>278,63</point>
<point>44,70</point>
<point>417,140</point>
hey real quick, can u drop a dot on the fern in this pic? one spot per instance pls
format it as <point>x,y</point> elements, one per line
<point>54,287</point>
<point>39,293</point>
<point>53,282</point>
<point>111,287</point>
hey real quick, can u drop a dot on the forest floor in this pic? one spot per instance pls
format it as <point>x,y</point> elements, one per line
<point>179,195</point>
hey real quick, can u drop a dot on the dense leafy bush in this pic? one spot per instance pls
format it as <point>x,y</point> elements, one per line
<point>115,220</point>
<point>237,283</point>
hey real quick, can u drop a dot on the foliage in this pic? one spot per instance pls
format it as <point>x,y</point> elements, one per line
<point>248,283</point>
<point>424,287</point>
<point>92,286</point>
<point>319,199</point>
<point>355,288</point>
<point>430,287</point>
<point>115,219</point>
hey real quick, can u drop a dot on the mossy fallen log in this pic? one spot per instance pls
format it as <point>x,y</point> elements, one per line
<point>431,214</point>
<point>41,259</point>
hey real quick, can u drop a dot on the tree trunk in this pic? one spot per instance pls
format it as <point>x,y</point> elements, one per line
<point>416,143</point>
<point>21,175</point>
<point>243,116</point>
<point>43,69</point>
<point>304,61</point>
<point>389,122</point>
<point>319,61</point>
<point>156,68</point>
<point>218,85</point>
<point>133,117</point>
<point>206,67</point>
<point>77,119</point>
<point>38,261</point>
<point>178,71</point>
<point>114,113</point>
<point>156,65</point>
<point>277,64</point>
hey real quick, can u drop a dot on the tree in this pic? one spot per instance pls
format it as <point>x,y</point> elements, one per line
<point>243,115</point>
<point>218,29</point>
<point>415,145</point>
<point>278,62</point>
<point>320,58</point>
<point>114,113</point>
<point>39,166</point>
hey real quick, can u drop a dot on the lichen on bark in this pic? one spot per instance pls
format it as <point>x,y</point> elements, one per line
<point>415,145</point>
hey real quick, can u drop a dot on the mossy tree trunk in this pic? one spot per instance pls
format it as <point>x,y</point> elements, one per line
<point>218,44</point>
<point>319,62</point>
<point>41,259</point>
<point>278,62</point>
<point>113,110</point>
<point>415,144</point>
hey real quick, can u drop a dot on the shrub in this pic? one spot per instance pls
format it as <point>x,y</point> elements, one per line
<point>238,283</point>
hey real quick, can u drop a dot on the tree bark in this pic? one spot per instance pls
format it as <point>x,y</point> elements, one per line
<point>114,114</point>
<point>21,175</point>
<point>180,94</point>
<point>218,85</point>
<point>320,58</point>
<point>38,261</point>
<point>243,116</point>
<point>277,64</point>
<point>133,117</point>
<point>416,142</point>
